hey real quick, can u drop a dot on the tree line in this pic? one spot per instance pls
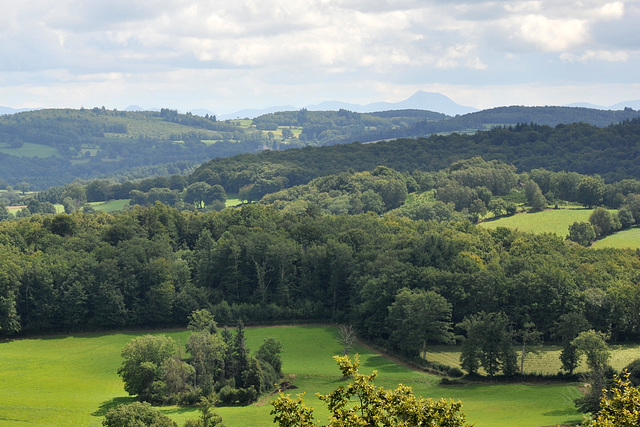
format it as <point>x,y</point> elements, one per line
<point>153,266</point>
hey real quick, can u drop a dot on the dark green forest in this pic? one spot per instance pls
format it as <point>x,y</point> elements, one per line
<point>612,152</point>
<point>153,266</point>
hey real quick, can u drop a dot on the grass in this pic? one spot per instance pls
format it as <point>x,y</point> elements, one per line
<point>72,380</point>
<point>558,221</point>
<point>548,221</point>
<point>233,202</point>
<point>111,205</point>
<point>29,149</point>
<point>622,239</point>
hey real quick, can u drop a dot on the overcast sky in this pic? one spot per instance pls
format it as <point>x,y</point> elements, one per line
<point>228,55</point>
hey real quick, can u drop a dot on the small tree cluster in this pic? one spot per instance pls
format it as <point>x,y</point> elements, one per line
<point>418,317</point>
<point>488,344</point>
<point>593,345</point>
<point>219,363</point>
<point>582,233</point>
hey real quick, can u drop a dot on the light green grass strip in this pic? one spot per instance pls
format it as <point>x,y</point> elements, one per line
<point>111,205</point>
<point>550,221</point>
<point>29,149</point>
<point>627,239</point>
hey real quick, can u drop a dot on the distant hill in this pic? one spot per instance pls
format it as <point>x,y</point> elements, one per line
<point>619,106</point>
<point>626,104</point>
<point>53,147</point>
<point>9,110</point>
<point>253,112</point>
<point>612,152</point>
<point>513,115</point>
<point>420,100</point>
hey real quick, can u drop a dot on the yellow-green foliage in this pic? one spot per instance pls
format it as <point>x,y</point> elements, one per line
<point>361,403</point>
<point>621,408</point>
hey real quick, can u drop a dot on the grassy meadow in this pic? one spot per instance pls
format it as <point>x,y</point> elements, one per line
<point>557,221</point>
<point>233,201</point>
<point>111,205</point>
<point>72,380</point>
<point>548,221</point>
<point>622,239</point>
<point>29,149</point>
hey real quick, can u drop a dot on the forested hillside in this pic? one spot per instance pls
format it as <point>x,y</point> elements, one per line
<point>501,116</point>
<point>612,152</point>
<point>53,147</point>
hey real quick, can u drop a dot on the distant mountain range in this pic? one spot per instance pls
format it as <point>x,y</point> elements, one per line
<point>9,110</point>
<point>619,106</point>
<point>420,100</point>
<point>431,101</point>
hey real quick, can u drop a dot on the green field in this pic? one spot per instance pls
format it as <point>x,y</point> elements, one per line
<point>549,221</point>
<point>233,202</point>
<point>29,149</point>
<point>111,205</point>
<point>558,221</point>
<point>72,380</point>
<point>622,239</point>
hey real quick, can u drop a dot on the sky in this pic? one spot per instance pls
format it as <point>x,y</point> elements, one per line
<point>224,56</point>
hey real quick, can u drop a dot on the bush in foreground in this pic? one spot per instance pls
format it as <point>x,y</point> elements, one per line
<point>361,403</point>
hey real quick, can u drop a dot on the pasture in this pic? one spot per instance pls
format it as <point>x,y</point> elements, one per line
<point>548,221</point>
<point>622,239</point>
<point>29,149</point>
<point>557,221</point>
<point>72,380</point>
<point>233,201</point>
<point>111,205</point>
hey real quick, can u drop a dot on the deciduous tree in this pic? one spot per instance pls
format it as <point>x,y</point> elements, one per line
<point>418,317</point>
<point>620,405</point>
<point>593,345</point>
<point>488,345</point>
<point>590,191</point>
<point>137,414</point>
<point>581,233</point>
<point>143,357</point>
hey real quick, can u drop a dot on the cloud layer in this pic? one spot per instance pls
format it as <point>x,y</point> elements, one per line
<point>251,53</point>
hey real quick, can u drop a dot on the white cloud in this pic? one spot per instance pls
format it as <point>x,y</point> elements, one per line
<point>460,55</point>
<point>596,55</point>
<point>549,35</point>
<point>261,50</point>
<point>612,10</point>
